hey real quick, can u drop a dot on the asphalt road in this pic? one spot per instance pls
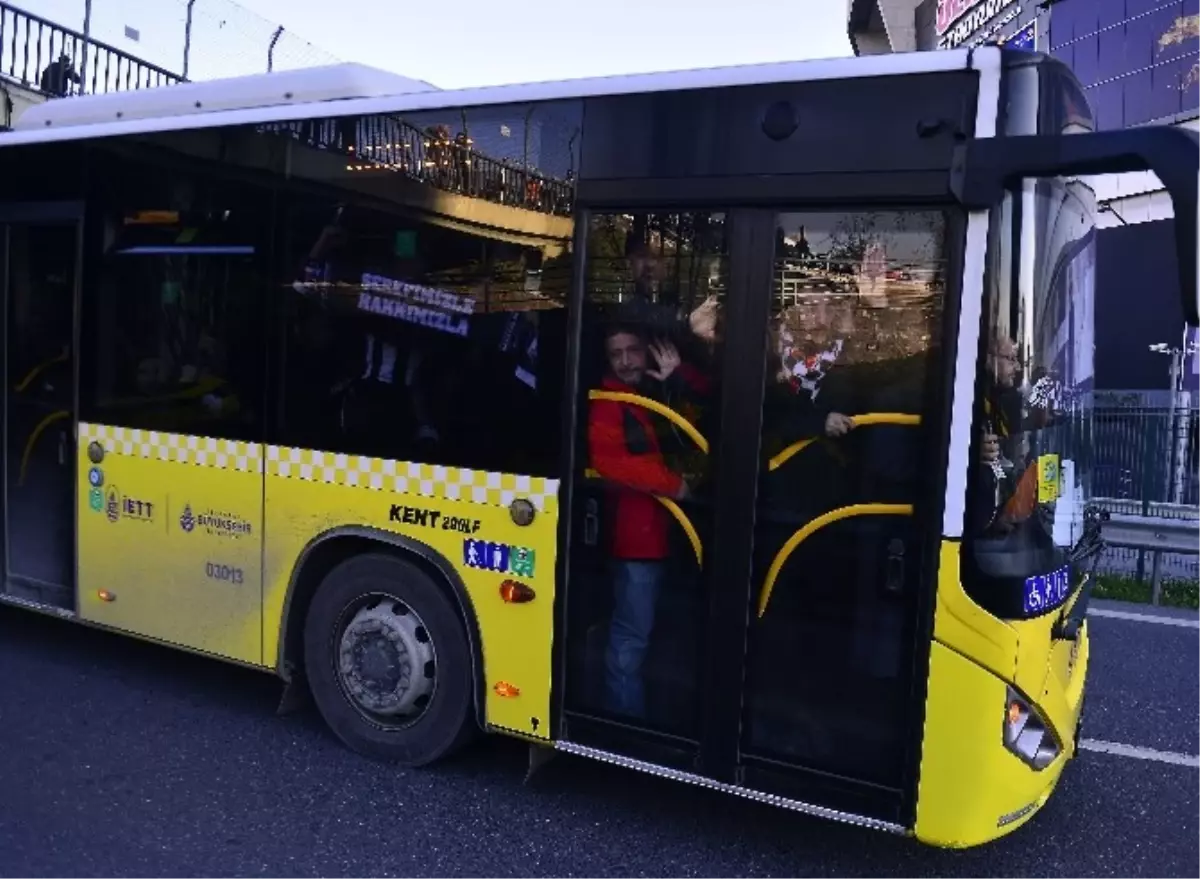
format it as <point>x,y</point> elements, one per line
<point>122,758</point>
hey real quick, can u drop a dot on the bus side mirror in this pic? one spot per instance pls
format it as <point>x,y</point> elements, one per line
<point>984,168</point>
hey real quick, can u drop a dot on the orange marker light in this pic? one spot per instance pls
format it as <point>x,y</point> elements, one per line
<point>516,593</point>
<point>105,595</point>
<point>506,690</point>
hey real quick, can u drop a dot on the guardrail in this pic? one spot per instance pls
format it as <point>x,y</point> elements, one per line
<point>1150,509</point>
<point>1154,534</point>
<point>32,50</point>
<point>1146,532</point>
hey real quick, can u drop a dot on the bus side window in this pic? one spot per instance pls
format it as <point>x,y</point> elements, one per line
<point>451,335</point>
<point>173,321</point>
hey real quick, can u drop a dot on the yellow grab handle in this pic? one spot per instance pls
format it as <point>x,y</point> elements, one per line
<point>686,524</point>
<point>680,516</point>
<point>37,370</point>
<point>868,418</point>
<point>654,406</point>
<point>807,530</point>
<point>33,438</point>
<point>901,418</point>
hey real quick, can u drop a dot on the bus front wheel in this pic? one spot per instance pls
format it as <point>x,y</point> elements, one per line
<point>388,661</point>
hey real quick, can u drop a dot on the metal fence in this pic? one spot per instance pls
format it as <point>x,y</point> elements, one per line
<point>47,57</point>
<point>1147,454</point>
<point>194,39</point>
<point>31,48</point>
<point>1146,466</point>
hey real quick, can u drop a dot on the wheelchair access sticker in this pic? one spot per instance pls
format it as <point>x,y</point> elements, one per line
<point>499,557</point>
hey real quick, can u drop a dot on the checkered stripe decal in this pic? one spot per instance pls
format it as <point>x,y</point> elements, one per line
<point>425,480</point>
<point>173,447</point>
<point>329,468</point>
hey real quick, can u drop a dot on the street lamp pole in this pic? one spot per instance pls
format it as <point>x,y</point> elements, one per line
<point>87,38</point>
<point>1176,456</point>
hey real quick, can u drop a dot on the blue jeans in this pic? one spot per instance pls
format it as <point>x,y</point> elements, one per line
<point>636,586</point>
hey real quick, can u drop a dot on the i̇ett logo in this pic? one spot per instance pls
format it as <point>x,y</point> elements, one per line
<point>118,506</point>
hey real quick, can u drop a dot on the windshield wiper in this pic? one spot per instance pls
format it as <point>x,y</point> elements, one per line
<point>1091,542</point>
<point>1089,547</point>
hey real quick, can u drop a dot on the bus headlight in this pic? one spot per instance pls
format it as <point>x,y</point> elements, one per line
<point>1026,733</point>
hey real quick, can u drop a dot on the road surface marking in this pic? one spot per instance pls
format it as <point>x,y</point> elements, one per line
<point>1144,618</point>
<point>1120,750</point>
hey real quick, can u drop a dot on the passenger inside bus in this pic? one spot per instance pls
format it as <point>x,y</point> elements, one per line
<point>643,506</point>
<point>824,655</point>
<point>627,448</point>
<point>1002,409</point>
<point>1008,458</point>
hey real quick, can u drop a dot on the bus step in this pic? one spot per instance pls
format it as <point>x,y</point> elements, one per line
<point>539,756</point>
<point>38,592</point>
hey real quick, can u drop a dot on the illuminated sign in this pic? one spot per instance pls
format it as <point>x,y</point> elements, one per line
<point>1025,39</point>
<point>976,21</point>
<point>950,11</point>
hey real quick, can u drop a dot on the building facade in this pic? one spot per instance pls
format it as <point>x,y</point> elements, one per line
<point>878,26</point>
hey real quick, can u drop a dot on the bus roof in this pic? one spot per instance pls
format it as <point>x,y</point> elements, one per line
<point>263,91</point>
<point>355,89</point>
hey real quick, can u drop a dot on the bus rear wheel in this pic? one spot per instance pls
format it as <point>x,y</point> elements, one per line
<point>388,661</point>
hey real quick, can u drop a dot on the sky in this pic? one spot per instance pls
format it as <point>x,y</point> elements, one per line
<point>465,42</point>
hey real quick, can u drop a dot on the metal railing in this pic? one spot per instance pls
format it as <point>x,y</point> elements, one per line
<point>1146,473</point>
<point>386,144</point>
<point>1148,454</point>
<point>31,48</point>
<point>58,61</point>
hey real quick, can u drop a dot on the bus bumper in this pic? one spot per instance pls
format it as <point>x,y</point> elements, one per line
<point>972,789</point>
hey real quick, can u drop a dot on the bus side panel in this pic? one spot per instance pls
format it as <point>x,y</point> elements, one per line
<point>464,516</point>
<point>972,789</point>
<point>964,626</point>
<point>1061,701</point>
<point>170,538</point>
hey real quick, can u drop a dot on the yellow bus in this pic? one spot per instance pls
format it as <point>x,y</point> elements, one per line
<point>728,425</point>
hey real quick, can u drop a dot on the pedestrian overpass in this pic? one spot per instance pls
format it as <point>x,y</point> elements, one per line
<point>422,171</point>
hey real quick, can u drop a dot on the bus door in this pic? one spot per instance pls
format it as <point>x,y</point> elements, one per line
<point>641,515</point>
<point>744,549</point>
<point>842,523</point>
<point>40,244</point>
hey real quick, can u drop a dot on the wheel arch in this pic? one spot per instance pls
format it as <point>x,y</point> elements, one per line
<point>329,548</point>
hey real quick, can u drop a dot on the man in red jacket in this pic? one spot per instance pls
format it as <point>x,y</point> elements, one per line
<point>625,450</point>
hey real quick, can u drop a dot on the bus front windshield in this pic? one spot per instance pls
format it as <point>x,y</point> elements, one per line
<point>1028,536</point>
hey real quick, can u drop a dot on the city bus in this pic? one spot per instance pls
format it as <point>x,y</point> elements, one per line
<point>728,425</point>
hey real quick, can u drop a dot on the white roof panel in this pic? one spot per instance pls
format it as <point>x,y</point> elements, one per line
<point>169,115</point>
<point>258,92</point>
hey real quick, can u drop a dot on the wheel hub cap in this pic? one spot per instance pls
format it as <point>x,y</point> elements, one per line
<point>385,660</point>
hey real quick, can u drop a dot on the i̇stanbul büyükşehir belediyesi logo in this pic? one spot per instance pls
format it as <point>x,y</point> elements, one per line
<point>214,522</point>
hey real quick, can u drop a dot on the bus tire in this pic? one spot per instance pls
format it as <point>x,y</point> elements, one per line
<point>388,661</point>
